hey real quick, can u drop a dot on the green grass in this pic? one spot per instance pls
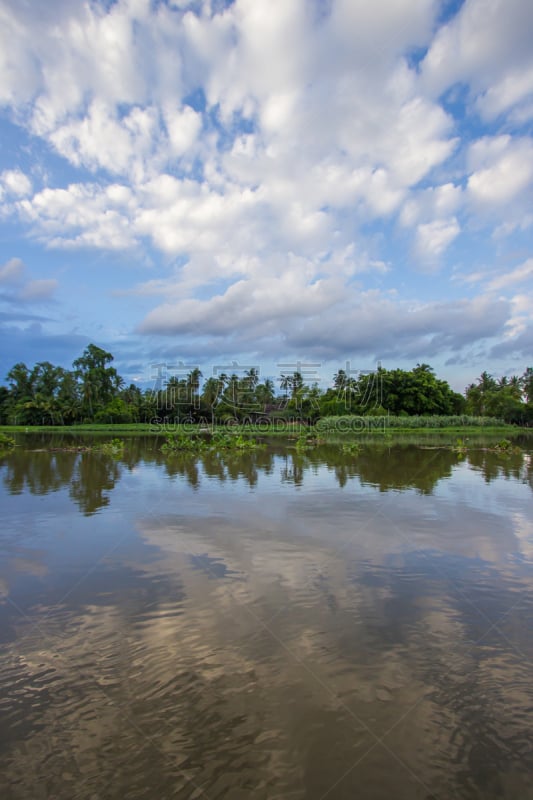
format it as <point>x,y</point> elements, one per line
<point>90,427</point>
<point>328,428</point>
<point>418,422</point>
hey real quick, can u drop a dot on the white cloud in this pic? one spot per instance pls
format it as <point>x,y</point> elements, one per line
<point>15,183</point>
<point>503,168</point>
<point>519,323</point>
<point>102,141</point>
<point>267,152</point>
<point>261,304</point>
<point>98,67</point>
<point>325,319</point>
<point>435,202</point>
<point>183,127</point>
<point>12,271</point>
<point>433,238</point>
<point>484,45</point>
<point>517,275</point>
<point>516,87</point>
<point>381,30</point>
<point>82,215</point>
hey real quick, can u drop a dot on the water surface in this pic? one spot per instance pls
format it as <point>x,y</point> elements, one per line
<point>272,625</point>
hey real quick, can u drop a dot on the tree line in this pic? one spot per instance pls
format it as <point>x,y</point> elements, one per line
<point>93,391</point>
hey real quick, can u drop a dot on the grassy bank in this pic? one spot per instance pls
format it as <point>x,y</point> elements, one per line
<point>327,427</point>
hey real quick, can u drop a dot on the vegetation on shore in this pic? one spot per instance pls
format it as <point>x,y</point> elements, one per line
<point>93,393</point>
<point>326,429</point>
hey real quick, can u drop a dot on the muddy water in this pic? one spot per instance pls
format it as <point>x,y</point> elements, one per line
<point>277,624</point>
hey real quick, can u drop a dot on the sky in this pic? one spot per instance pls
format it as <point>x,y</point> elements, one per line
<point>284,184</point>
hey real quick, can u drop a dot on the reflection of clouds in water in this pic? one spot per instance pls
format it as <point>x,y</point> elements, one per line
<point>29,564</point>
<point>259,673</point>
<point>523,529</point>
<point>248,634</point>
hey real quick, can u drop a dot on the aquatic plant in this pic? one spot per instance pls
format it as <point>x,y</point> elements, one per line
<point>220,441</point>
<point>230,441</point>
<point>183,443</point>
<point>114,447</point>
<point>505,446</point>
<point>6,442</point>
<point>353,448</point>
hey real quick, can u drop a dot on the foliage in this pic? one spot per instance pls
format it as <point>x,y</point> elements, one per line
<point>93,392</point>
<point>220,440</point>
<point>506,446</point>
<point>113,448</point>
<point>351,448</point>
<point>183,443</point>
<point>503,398</point>
<point>354,423</point>
<point>6,442</point>
<point>116,411</point>
<point>307,440</point>
<point>230,441</point>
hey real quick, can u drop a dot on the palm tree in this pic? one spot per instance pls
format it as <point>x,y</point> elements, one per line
<point>193,379</point>
<point>251,376</point>
<point>265,393</point>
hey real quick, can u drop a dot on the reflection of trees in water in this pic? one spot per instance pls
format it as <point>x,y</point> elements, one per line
<point>411,466</point>
<point>528,472</point>
<point>222,466</point>
<point>38,473</point>
<point>397,466</point>
<point>94,475</point>
<point>293,468</point>
<point>407,467</point>
<point>88,475</point>
<point>499,465</point>
<point>185,466</point>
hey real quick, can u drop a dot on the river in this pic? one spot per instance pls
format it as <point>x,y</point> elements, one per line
<point>276,625</point>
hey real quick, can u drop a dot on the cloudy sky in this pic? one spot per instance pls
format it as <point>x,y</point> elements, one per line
<point>268,181</point>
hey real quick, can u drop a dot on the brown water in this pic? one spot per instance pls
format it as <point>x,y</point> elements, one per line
<point>270,625</point>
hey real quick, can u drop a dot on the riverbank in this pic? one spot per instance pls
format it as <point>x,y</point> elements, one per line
<point>327,428</point>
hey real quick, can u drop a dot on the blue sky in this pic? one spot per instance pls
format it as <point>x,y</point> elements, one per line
<point>267,182</point>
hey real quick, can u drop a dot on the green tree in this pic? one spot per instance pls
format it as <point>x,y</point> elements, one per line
<point>265,393</point>
<point>99,382</point>
<point>20,394</point>
<point>526,384</point>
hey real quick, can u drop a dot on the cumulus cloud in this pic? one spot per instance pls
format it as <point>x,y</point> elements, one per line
<point>262,305</point>
<point>485,45</point>
<point>326,321</point>
<point>502,169</point>
<point>432,203</point>
<point>16,183</point>
<point>432,238</point>
<point>82,215</point>
<point>267,156</point>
